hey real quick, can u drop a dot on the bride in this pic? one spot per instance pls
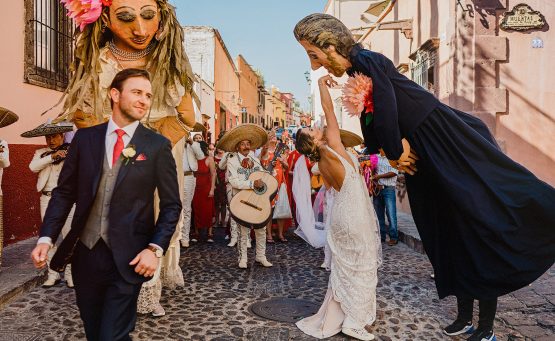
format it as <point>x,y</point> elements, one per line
<point>353,237</point>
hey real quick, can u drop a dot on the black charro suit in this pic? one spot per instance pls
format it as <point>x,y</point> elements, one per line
<point>103,273</point>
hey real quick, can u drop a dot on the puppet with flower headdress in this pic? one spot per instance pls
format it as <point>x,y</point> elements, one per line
<point>119,34</point>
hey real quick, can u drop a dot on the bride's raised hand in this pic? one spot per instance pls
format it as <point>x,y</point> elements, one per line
<point>327,81</point>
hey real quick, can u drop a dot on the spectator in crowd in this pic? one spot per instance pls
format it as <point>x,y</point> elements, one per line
<point>282,205</point>
<point>203,200</point>
<point>48,163</point>
<point>192,154</point>
<point>7,117</point>
<point>385,200</point>
<point>197,137</point>
<point>220,195</point>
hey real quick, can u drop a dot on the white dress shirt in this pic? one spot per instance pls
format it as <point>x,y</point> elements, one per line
<point>4,159</point>
<point>112,137</point>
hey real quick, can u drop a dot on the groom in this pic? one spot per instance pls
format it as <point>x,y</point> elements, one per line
<point>115,244</point>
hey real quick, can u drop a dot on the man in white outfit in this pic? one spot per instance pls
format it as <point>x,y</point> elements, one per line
<point>240,165</point>
<point>48,163</point>
<point>234,229</point>
<point>192,154</point>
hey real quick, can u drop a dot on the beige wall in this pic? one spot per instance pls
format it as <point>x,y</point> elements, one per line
<point>27,101</point>
<point>248,87</point>
<point>226,80</point>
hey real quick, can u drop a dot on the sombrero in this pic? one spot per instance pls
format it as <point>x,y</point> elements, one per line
<point>199,128</point>
<point>49,129</point>
<point>248,131</point>
<point>350,139</point>
<point>7,117</point>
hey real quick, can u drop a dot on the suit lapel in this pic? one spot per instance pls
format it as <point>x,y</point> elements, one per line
<point>98,151</point>
<point>139,141</point>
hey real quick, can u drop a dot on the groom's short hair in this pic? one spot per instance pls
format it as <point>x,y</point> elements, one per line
<point>324,30</point>
<point>123,75</point>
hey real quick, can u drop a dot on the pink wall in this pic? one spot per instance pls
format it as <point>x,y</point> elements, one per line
<point>528,128</point>
<point>493,74</point>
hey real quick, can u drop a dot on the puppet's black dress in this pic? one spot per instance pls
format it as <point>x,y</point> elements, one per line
<point>487,223</point>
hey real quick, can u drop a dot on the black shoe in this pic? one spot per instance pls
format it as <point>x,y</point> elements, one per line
<point>459,327</point>
<point>483,335</point>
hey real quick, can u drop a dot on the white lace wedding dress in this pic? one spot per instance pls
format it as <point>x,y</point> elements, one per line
<point>354,242</point>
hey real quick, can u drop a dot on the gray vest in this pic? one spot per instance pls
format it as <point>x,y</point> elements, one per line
<point>98,223</point>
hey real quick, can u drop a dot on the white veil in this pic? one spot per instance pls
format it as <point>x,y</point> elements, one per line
<point>307,229</point>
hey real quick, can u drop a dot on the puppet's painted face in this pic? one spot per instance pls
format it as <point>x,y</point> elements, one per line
<point>332,61</point>
<point>134,23</point>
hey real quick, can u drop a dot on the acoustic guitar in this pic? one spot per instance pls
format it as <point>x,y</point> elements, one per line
<point>253,207</point>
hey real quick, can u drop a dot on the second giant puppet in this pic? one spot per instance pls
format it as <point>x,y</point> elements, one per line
<point>120,34</point>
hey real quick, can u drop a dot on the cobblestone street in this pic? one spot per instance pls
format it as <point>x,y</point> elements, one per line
<point>214,303</point>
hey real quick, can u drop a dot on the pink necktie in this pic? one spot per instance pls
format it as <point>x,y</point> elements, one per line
<point>118,147</point>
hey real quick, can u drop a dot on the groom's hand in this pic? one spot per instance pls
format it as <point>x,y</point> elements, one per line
<point>146,263</point>
<point>39,255</point>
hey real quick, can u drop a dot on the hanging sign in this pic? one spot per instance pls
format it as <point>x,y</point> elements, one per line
<point>521,18</point>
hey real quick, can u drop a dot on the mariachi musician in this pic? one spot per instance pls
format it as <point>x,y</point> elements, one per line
<point>47,163</point>
<point>241,163</point>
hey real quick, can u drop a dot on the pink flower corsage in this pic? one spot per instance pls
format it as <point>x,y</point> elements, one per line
<point>85,12</point>
<point>357,96</point>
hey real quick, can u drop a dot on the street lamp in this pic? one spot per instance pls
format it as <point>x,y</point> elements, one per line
<point>309,81</point>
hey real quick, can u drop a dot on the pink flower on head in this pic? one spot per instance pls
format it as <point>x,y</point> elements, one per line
<point>84,12</point>
<point>357,95</point>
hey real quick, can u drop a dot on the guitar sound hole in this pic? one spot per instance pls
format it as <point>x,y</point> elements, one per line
<point>261,190</point>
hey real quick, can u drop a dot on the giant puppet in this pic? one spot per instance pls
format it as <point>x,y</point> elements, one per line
<point>120,34</point>
<point>486,222</point>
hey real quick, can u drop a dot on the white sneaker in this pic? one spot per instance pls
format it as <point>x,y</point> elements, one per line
<point>243,264</point>
<point>359,334</point>
<point>264,262</point>
<point>158,311</point>
<point>51,281</point>
<point>226,237</point>
<point>184,243</point>
<point>194,240</point>
<point>232,242</point>
<point>209,240</point>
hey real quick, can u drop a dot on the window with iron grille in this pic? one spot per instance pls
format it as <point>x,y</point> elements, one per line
<point>48,44</point>
<point>423,67</point>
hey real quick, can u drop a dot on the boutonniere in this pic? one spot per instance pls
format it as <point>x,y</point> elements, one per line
<point>128,153</point>
<point>358,97</point>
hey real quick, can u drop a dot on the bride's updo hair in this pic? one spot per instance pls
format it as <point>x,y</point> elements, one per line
<point>306,145</point>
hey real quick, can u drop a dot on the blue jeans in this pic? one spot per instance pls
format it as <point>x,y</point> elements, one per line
<point>385,202</point>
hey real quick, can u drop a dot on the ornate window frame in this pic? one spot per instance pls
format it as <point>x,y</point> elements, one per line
<point>423,68</point>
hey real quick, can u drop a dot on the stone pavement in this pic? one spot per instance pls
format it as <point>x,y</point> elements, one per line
<point>214,303</point>
<point>17,275</point>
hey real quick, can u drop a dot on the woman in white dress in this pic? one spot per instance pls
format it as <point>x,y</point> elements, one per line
<point>353,235</point>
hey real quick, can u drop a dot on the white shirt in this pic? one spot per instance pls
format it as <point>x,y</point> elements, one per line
<point>192,154</point>
<point>4,159</point>
<point>112,137</point>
